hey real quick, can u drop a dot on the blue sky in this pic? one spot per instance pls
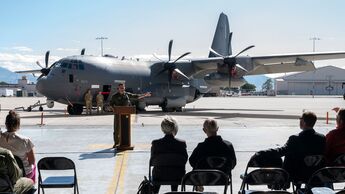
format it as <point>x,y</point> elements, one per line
<point>134,27</point>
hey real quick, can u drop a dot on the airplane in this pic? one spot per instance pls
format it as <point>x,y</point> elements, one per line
<point>173,83</point>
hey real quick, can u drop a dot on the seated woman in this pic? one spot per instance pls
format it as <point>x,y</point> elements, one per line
<point>19,145</point>
<point>168,156</point>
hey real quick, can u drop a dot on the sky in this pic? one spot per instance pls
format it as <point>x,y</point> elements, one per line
<point>141,27</point>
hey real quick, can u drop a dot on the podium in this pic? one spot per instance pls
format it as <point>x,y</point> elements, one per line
<point>123,113</point>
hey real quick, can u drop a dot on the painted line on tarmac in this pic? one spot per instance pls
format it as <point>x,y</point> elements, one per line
<point>116,174</point>
<point>121,179</point>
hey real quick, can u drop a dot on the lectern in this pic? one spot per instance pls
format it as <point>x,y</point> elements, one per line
<point>123,113</point>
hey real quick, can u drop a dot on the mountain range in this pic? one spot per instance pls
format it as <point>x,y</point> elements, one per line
<point>12,78</point>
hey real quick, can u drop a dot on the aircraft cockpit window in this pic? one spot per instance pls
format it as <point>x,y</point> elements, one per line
<point>69,66</point>
<point>57,64</point>
<point>64,65</point>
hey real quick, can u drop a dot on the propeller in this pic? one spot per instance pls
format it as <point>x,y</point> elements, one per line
<point>231,62</point>
<point>170,66</point>
<point>44,70</point>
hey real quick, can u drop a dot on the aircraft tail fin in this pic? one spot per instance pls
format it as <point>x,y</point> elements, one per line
<point>222,37</point>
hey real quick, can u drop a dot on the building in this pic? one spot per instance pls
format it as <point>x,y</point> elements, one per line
<point>328,80</point>
<point>22,89</point>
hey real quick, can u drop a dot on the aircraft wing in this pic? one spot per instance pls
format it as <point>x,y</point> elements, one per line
<point>29,71</point>
<point>266,64</point>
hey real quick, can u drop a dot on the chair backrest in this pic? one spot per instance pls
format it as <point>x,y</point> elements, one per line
<point>215,162</point>
<point>205,178</point>
<point>264,159</point>
<point>276,178</point>
<point>168,159</point>
<point>339,161</point>
<point>55,163</point>
<point>327,175</point>
<point>270,192</point>
<point>20,164</point>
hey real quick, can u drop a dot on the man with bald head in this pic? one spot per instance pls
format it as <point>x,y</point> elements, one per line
<point>214,145</point>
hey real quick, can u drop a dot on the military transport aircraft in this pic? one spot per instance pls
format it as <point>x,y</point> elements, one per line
<point>173,83</point>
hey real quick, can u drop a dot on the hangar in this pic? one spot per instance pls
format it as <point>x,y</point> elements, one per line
<point>328,80</point>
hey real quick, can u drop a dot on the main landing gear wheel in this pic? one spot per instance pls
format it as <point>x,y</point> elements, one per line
<point>40,108</point>
<point>76,109</point>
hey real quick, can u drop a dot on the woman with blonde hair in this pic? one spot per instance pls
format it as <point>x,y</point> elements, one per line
<point>19,145</point>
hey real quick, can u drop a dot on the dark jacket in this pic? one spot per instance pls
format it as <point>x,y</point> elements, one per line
<point>213,146</point>
<point>306,143</point>
<point>169,157</point>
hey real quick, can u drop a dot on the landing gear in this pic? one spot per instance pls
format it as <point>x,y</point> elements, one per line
<point>40,108</point>
<point>175,109</point>
<point>76,109</point>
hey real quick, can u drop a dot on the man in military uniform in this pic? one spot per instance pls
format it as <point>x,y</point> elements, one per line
<point>122,98</point>
<point>88,101</point>
<point>99,101</point>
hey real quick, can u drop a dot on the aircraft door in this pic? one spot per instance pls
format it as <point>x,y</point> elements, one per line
<point>106,91</point>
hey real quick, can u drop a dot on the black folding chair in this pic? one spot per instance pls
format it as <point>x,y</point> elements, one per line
<point>270,192</point>
<point>205,178</point>
<point>167,161</point>
<point>274,178</point>
<point>217,163</point>
<point>264,159</point>
<point>20,164</point>
<point>57,164</point>
<point>312,163</point>
<point>183,192</point>
<point>339,161</point>
<point>326,177</point>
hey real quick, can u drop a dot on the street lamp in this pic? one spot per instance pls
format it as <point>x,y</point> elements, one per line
<point>101,38</point>
<point>314,39</point>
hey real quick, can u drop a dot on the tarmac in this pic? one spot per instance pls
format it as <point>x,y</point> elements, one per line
<point>250,123</point>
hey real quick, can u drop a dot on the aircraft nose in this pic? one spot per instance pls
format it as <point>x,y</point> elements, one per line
<point>41,86</point>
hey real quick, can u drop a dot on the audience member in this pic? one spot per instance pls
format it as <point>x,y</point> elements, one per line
<point>19,145</point>
<point>168,145</point>
<point>306,143</point>
<point>335,139</point>
<point>213,145</point>
<point>10,175</point>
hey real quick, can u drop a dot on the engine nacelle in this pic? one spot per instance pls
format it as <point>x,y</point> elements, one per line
<point>222,80</point>
<point>175,102</point>
<point>50,103</point>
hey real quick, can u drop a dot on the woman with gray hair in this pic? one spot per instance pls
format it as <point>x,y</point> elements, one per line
<point>168,156</point>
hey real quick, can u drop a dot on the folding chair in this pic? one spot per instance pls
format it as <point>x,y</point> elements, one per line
<point>183,192</point>
<point>55,164</point>
<point>270,192</point>
<point>205,178</point>
<point>274,178</point>
<point>312,163</point>
<point>326,177</point>
<point>20,164</point>
<point>262,160</point>
<point>216,163</point>
<point>167,161</point>
<point>339,161</point>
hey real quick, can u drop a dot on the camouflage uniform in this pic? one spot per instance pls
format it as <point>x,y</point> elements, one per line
<point>99,100</point>
<point>88,102</point>
<point>10,169</point>
<point>120,100</point>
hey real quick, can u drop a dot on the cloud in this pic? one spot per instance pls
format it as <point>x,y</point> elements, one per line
<point>68,49</point>
<point>16,62</point>
<point>22,48</point>
<point>18,48</point>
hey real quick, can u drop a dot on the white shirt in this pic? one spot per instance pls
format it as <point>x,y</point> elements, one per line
<point>19,146</point>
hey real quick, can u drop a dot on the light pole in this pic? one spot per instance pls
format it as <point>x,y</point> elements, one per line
<point>314,39</point>
<point>101,38</point>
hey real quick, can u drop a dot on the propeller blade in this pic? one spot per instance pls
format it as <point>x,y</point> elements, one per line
<point>180,73</point>
<point>249,47</point>
<point>47,58</point>
<point>82,51</point>
<point>169,50</point>
<point>39,64</point>
<point>40,76</point>
<point>214,52</point>
<point>155,56</point>
<point>239,66</point>
<point>230,75</point>
<point>187,53</point>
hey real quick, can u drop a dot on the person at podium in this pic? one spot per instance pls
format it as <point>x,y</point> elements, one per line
<point>122,98</point>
